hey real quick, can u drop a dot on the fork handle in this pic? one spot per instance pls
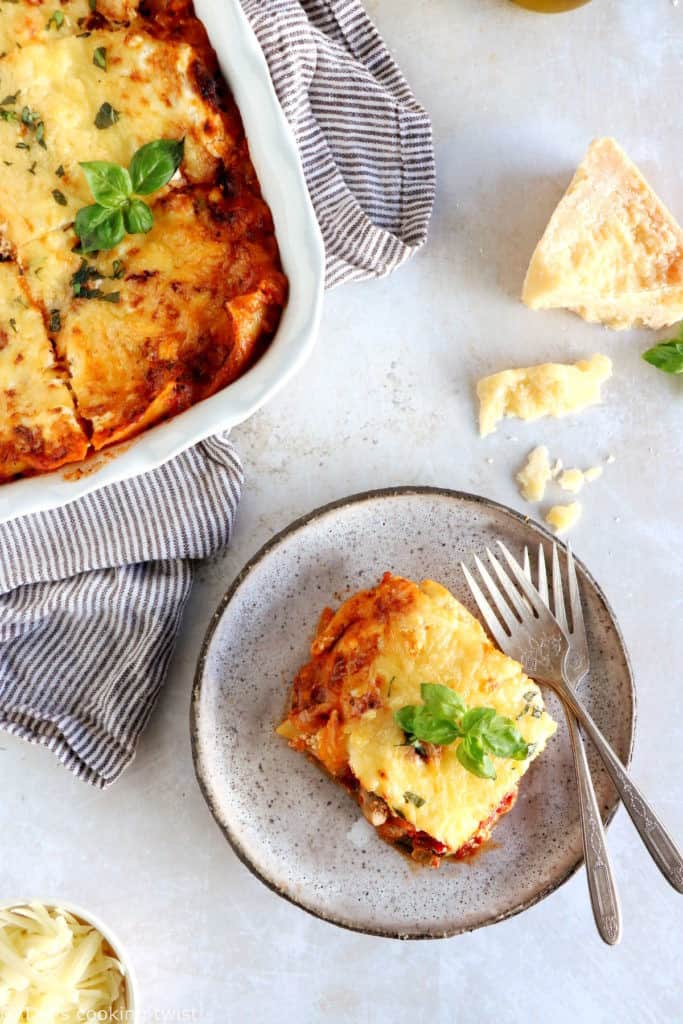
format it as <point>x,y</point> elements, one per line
<point>601,884</point>
<point>661,846</point>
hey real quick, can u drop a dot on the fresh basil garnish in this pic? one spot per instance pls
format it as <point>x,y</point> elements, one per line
<point>137,217</point>
<point>443,718</point>
<point>80,282</point>
<point>110,184</point>
<point>667,355</point>
<point>99,227</point>
<point>154,165</point>
<point>114,188</point>
<point>106,116</point>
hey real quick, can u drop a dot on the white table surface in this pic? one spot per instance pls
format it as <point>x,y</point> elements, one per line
<point>388,399</point>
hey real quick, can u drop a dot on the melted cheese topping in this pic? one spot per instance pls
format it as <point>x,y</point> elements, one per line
<point>38,424</point>
<point>550,389</point>
<point>535,474</point>
<point>611,252</point>
<point>187,321</point>
<point>380,647</point>
<point>149,82</point>
<point>563,517</point>
<point>197,298</point>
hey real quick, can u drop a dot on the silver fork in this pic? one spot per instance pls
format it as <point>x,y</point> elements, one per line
<point>601,884</point>
<point>538,642</point>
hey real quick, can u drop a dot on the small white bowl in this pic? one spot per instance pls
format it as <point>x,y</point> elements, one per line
<point>132,1001</point>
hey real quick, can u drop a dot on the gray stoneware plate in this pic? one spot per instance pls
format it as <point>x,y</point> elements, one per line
<point>291,825</point>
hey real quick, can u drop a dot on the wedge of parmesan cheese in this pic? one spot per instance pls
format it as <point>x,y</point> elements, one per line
<point>563,517</point>
<point>535,474</point>
<point>611,252</point>
<point>550,389</point>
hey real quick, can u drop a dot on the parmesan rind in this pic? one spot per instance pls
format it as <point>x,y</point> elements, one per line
<point>549,389</point>
<point>611,252</point>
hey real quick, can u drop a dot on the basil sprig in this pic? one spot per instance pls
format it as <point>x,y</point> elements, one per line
<point>443,717</point>
<point>668,355</point>
<point>116,209</point>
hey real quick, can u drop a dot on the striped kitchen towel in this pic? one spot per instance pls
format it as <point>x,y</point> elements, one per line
<point>92,594</point>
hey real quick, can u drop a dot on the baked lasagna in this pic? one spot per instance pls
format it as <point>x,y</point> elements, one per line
<point>373,664</point>
<point>99,341</point>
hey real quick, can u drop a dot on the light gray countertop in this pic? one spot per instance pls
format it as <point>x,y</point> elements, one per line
<point>388,399</point>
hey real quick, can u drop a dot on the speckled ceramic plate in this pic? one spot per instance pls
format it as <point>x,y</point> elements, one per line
<point>294,828</point>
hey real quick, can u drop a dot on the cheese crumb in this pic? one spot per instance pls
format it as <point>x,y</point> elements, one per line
<point>594,473</point>
<point>535,474</point>
<point>557,468</point>
<point>571,480</point>
<point>549,389</point>
<point>563,517</point>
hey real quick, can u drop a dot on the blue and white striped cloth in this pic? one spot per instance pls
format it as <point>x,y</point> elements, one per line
<point>92,594</point>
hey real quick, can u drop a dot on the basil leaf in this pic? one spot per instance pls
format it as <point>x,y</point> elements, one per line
<point>154,164</point>
<point>433,728</point>
<point>442,700</point>
<point>476,721</point>
<point>99,57</point>
<point>106,116</point>
<point>667,356</point>
<point>55,323</point>
<point>502,738</point>
<point>109,183</point>
<point>56,19</point>
<point>99,227</point>
<point>58,196</point>
<point>474,759</point>
<point>137,217</point>
<point>413,798</point>
<point>405,718</point>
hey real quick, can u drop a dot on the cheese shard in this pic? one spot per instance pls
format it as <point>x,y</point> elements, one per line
<point>549,389</point>
<point>563,517</point>
<point>535,474</point>
<point>611,252</point>
<point>571,480</point>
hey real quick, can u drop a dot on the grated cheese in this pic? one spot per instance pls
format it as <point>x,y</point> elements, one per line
<point>55,967</point>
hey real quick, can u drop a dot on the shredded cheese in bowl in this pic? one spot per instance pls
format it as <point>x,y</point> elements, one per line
<point>56,966</point>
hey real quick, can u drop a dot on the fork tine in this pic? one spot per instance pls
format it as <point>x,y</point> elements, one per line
<point>526,565</point>
<point>495,628</point>
<point>499,602</point>
<point>543,577</point>
<point>528,589</point>
<point>521,607</point>
<point>578,625</point>
<point>558,595</point>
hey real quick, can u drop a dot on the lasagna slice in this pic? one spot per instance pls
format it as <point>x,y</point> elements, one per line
<point>369,660</point>
<point>39,429</point>
<point>162,320</point>
<point>59,107</point>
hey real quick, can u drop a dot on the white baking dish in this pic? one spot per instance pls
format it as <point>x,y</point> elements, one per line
<point>278,166</point>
